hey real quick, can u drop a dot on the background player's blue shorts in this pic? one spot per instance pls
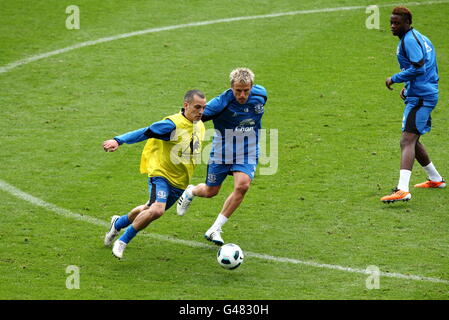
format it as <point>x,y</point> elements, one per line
<point>417,118</point>
<point>216,173</point>
<point>161,190</point>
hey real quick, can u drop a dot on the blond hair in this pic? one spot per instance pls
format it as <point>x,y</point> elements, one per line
<point>241,75</point>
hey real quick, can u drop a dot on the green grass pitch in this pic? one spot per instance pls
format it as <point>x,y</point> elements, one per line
<point>338,139</point>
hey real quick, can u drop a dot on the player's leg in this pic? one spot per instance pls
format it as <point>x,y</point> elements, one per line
<point>410,136</point>
<point>166,196</point>
<point>424,122</point>
<point>243,175</point>
<point>158,190</point>
<point>204,191</point>
<point>200,190</point>
<point>416,122</point>
<point>242,183</point>
<point>408,145</point>
<point>421,154</point>
<point>216,173</point>
<point>434,179</point>
<point>401,192</point>
<point>155,211</point>
<point>127,219</point>
<point>120,222</point>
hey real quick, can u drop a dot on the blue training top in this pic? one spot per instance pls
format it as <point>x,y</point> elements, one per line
<point>236,139</point>
<point>417,60</point>
<point>159,130</point>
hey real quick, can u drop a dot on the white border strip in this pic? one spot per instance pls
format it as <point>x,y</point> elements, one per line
<point>15,64</point>
<point>68,214</point>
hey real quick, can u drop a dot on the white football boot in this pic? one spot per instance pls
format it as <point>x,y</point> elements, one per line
<point>185,200</point>
<point>118,248</point>
<point>214,235</point>
<point>112,233</point>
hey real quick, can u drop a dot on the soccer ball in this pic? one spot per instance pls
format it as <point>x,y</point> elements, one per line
<point>230,256</point>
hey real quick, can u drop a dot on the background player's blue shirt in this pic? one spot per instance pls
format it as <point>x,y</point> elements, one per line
<point>159,130</point>
<point>237,126</point>
<point>417,60</point>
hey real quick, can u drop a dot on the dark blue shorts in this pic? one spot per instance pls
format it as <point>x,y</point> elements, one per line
<point>216,173</point>
<point>417,114</point>
<point>161,190</point>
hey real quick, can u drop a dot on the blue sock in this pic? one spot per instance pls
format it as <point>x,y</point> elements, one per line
<point>129,234</point>
<point>122,222</point>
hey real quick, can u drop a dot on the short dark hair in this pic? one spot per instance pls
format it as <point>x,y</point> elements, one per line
<point>403,12</point>
<point>188,97</point>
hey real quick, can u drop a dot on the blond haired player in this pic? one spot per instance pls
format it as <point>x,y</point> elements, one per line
<point>237,115</point>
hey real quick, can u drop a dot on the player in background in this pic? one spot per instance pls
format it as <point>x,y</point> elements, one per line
<point>419,72</point>
<point>237,115</point>
<point>169,158</point>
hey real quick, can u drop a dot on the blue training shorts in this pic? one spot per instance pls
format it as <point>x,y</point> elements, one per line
<point>216,173</point>
<point>417,118</point>
<point>161,190</point>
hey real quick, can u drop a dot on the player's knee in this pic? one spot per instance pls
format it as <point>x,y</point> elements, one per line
<point>211,192</point>
<point>402,143</point>
<point>405,142</point>
<point>242,187</point>
<point>156,213</point>
<point>139,209</point>
<point>408,139</point>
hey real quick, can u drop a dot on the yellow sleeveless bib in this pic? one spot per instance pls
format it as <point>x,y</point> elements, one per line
<point>177,158</point>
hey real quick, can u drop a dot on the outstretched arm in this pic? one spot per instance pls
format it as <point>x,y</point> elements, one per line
<point>159,130</point>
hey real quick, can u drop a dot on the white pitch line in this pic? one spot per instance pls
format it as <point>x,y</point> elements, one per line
<point>69,214</point>
<point>12,65</point>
